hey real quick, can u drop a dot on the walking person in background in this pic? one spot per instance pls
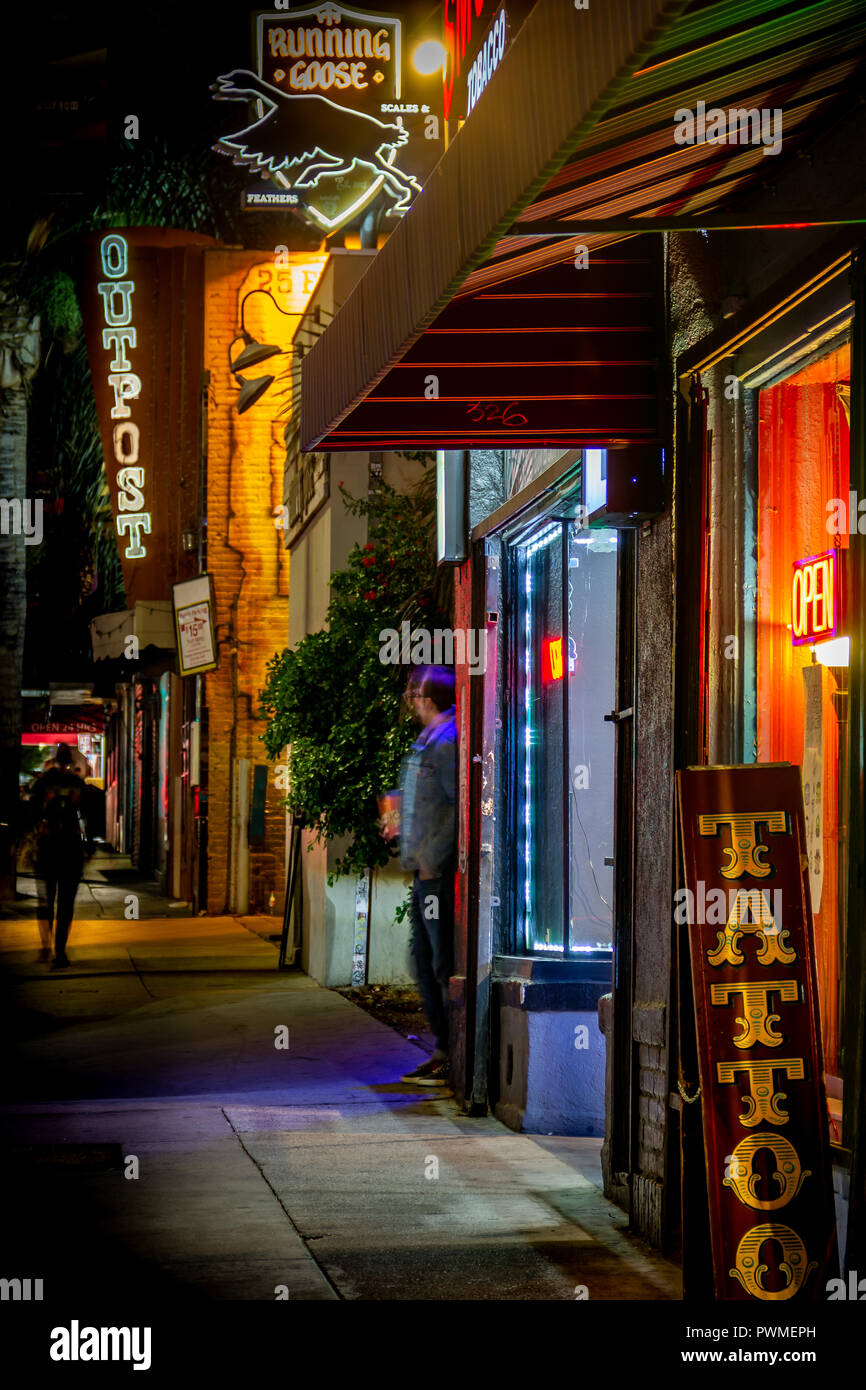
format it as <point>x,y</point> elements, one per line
<point>428,827</point>
<point>57,814</point>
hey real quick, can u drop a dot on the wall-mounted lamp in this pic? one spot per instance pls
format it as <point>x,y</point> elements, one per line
<point>253,353</point>
<point>430,56</point>
<point>251,391</point>
<point>250,355</point>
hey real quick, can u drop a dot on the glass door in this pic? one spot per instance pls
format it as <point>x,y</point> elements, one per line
<point>565,589</point>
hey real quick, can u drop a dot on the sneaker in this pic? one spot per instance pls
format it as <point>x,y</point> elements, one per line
<point>59,962</point>
<point>438,1076</point>
<point>422,1076</point>
<point>432,1073</point>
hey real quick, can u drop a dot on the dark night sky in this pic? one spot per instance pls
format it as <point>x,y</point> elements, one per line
<point>116,58</point>
<point>155,61</point>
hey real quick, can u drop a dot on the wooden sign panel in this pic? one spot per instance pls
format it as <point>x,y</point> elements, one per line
<point>766,1139</point>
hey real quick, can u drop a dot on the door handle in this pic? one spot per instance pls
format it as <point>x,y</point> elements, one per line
<point>616,716</point>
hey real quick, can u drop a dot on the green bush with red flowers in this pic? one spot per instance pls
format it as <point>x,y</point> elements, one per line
<point>332,700</point>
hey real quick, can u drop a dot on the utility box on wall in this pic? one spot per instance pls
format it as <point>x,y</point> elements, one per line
<point>632,481</point>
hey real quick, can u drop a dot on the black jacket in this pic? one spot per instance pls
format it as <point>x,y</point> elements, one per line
<point>58,816</point>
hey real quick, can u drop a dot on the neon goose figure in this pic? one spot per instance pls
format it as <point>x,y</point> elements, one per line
<point>277,142</point>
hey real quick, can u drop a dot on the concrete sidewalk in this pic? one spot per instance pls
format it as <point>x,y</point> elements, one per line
<point>307,1171</point>
<point>104,892</point>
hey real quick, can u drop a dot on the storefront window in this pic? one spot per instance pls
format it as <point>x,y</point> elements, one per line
<point>565,636</point>
<point>91,746</point>
<point>802,655</point>
<point>592,567</point>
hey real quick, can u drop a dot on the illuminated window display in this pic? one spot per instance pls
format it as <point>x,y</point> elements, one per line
<point>802,647</point>
<point>564,584</point>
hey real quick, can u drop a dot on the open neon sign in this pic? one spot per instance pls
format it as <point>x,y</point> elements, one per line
<point>814,599</point>
<point>119,338</point>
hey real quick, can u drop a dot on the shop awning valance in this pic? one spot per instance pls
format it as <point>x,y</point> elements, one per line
<point>42,722</point>
<point>559,358</point>
<point>572,144</point>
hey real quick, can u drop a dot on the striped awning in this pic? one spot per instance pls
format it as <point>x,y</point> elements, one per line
<point>574,143</point>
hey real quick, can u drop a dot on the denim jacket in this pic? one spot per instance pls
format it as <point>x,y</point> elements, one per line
<point>428,781</point>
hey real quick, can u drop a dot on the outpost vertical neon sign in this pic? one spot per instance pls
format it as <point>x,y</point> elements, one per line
<point>143,311</point>
<point>119,338</point>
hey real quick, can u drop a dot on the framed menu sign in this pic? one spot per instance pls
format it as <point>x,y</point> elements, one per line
<point>766,1140</point>
<point>194,625</point>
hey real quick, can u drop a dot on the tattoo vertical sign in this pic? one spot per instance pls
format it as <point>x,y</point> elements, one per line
<point>766,1134</point>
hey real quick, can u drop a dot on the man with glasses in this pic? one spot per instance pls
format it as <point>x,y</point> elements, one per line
<point>427,846</point>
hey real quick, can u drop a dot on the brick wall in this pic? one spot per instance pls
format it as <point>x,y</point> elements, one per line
<point>649,1031</point>
<point>245,553</point>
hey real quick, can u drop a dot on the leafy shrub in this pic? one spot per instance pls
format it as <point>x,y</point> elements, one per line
<point>332,699</point>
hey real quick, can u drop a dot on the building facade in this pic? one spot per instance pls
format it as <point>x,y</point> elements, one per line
<point>245,556</point>
<point>646,332</point>
<point>190,795</point>
<point>346,926</point>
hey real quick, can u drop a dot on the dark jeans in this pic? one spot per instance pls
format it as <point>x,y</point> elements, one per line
<point>58,883</point>
<point>432,948</point>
